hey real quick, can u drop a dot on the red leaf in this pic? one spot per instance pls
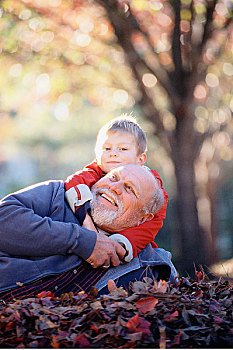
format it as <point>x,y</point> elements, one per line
<point>81,341</point>
<point>45,294</point>
<point>176,340</point>
<point>137,324</point>
<point>218,320</point>
<point>144,327</point>
<point>199,276</point>
<point>147,304</point>
<point>171,317</point>
<point>10,326</point>
<point>133,322</point>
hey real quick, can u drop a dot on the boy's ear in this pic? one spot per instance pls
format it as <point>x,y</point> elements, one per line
<point>142,159</point>
<point>146,217</point>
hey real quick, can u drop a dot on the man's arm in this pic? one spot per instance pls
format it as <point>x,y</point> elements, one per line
<point>31,224</point>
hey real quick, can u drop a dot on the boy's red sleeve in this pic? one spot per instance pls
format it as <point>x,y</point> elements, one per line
<point>145,233</point>
<point>88,176</point>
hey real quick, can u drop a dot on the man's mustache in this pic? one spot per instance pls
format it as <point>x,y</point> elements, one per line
<point>105,190</point>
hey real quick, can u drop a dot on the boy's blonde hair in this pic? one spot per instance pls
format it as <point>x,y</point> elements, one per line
<point>124,123</point>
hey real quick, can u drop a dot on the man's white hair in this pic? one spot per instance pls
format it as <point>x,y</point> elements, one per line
<point>157,197</point>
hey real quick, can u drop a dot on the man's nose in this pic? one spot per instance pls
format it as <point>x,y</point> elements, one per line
<point>117,187</point>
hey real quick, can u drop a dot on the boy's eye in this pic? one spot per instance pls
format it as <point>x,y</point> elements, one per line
<point>107,148</point>
<point>124,149</point>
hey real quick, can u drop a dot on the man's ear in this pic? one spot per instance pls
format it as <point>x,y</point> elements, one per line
<point>146,217</point>
<point>141,159</point>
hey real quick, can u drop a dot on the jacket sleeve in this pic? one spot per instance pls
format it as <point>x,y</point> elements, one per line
<point>145,233</point>
<point>32,224</point>
<point>78,185</point>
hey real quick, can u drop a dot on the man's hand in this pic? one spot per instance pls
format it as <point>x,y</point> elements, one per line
<point>106,252</point>
<point>88,223</point>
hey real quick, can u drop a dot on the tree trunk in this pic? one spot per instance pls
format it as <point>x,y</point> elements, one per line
<point>212,192</point>
<point>189,233</point>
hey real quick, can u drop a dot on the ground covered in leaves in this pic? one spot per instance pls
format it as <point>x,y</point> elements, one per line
<point>194,314</point>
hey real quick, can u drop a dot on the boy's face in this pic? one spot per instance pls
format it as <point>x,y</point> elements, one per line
<point>117,149</point>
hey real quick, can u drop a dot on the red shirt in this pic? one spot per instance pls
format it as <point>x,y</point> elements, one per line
<point>138,236</point>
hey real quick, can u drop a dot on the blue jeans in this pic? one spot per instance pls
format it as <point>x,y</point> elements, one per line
<point>135,275</point>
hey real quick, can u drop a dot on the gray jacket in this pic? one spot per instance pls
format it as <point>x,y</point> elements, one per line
<point>40,236</point>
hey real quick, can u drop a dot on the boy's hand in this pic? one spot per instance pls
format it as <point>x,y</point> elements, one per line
<point>88,223</point>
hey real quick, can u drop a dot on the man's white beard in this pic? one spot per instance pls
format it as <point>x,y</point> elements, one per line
<point>102,215</point>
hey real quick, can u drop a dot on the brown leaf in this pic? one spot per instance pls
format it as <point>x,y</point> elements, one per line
<point>93,292</point>
<point>159,287</point>
<point>140,287</point>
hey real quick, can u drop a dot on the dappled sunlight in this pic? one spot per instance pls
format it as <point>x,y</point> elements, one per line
<point>203,208</point>
<point>43,84</point>
<point>212,80</point>
<point>149,80</point>
<point>200,93</point>
<point>67,67</point>
<point>223,268</point>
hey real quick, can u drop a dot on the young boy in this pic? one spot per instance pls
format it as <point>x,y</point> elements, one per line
<point>121,141</point>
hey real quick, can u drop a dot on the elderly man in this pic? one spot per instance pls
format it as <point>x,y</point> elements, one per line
<point>43,246</point>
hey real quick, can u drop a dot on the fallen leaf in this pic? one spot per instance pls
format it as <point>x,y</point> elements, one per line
<point>162,339</point>
<point>172,317</point>
<point>147,304</point>
<point>198,294</point>
<point>159,287</point>
<point>81,341</point>
<point>137,324</point>
<point>199,275</point>
<point>45,294</point>
<point>111,286</point>
<point>133,322</point>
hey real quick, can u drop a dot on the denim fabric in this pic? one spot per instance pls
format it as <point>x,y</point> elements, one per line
<point>135,275</point>
<point>147,257</point>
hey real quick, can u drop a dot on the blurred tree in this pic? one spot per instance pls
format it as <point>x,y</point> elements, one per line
<point>185,46</point>
<point>174,59</point>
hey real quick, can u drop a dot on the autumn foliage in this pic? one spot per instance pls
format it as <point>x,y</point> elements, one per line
<point>194,314</point>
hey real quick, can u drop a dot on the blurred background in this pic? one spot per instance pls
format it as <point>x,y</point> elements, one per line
<point>67,67</point>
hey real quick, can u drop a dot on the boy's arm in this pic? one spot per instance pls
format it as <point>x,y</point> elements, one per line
<point>137,238</point>
<point>78,185</point>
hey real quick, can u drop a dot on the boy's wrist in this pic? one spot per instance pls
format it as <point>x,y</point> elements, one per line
<point>125,244</point>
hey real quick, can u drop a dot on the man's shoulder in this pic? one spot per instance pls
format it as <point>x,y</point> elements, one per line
<point>44,185</point>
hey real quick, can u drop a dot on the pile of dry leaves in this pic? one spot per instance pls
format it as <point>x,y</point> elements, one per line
<point>195,314</point>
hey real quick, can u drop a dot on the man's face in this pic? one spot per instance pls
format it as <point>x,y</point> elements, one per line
<point>120,196</point>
